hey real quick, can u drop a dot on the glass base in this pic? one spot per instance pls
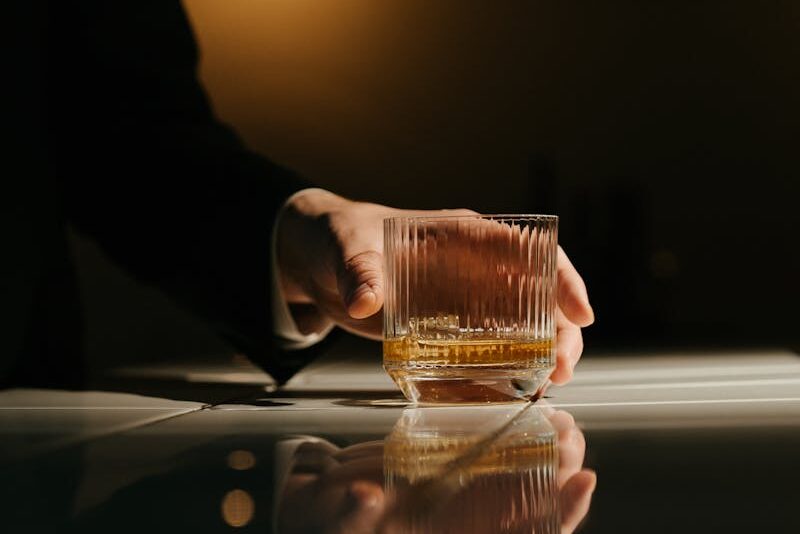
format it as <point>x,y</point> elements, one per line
<point>468,384</point>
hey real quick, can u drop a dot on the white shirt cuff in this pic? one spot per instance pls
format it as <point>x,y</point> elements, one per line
<point>284,326</point>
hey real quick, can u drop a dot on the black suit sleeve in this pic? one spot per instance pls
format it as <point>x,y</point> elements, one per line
<point>147,171</point>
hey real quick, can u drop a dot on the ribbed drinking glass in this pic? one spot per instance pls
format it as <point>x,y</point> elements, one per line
<point>469,314</point>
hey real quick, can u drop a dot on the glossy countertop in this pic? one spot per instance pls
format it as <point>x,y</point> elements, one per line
<point>697,441</point>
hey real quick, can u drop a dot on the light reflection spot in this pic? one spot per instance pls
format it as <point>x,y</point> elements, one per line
<point>238,508</point>
<point>241,460</point>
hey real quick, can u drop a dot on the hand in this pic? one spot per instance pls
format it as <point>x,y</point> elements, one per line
<point>331,265</point>
<point>338,491</point>
<point>335,490</point>
<point>574,312</point>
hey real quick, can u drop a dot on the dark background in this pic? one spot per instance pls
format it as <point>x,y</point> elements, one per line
<point>665,135</point>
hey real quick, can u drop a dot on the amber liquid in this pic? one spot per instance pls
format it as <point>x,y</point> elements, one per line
<point>483,352</point>
<point>414,460</point>
<point>474,370</point>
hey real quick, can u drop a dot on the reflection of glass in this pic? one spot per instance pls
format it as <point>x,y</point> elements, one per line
<point>465,470</point>
<point>469,310</point>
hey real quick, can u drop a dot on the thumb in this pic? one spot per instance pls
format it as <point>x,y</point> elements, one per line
<point>360,281</point>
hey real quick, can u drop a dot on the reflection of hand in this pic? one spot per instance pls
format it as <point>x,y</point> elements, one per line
<point>338,491</point>
<point>330,260</point>
<point>576,484</point>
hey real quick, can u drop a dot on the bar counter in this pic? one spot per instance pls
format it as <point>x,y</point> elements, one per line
<point>693,441</point>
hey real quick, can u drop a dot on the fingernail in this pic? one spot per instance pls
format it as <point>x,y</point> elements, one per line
<point>362,292</point>
<point>361,302</point>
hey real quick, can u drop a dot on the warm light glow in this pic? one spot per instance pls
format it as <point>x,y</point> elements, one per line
<point>241,460</point>
<point>238,508</point>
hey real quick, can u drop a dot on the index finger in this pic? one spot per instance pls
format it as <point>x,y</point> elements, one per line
<point>572,296</point>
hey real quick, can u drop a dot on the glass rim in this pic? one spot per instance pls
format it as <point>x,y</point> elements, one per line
<point>484,216</point>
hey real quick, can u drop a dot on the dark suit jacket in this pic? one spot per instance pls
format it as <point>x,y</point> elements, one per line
<point>115,136</point>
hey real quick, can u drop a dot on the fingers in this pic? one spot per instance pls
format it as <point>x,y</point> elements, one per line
<point>576,496</point>
<point>572,295</point>
<point>569,346</point>
<point>360,281</point>
<point>359,264</point>
<point>571,446</point>
<point>562,421</point>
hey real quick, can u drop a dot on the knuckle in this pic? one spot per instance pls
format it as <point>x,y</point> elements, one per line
<point>361,260</point>
<point>364,264</point>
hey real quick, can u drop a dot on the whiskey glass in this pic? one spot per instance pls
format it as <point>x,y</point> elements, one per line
<point>469,312</point>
